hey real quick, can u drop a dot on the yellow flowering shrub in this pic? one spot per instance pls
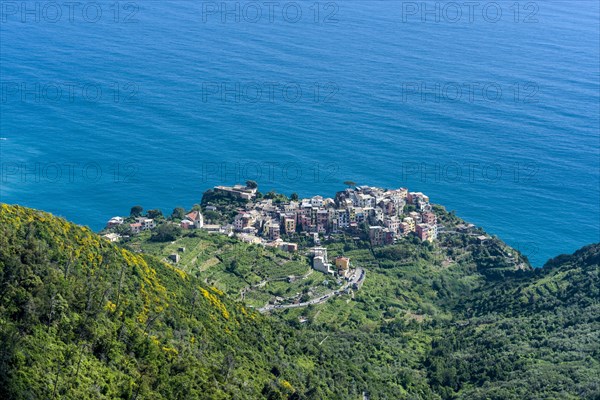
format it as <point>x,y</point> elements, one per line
<point>214,300</point>
<point>110,306</point>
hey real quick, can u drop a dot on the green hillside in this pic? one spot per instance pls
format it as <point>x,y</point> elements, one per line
<point>537,336</point>
<point>82,318</point>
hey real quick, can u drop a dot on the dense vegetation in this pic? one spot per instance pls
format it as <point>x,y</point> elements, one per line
<point>83,318</point>
<point>534,336</point>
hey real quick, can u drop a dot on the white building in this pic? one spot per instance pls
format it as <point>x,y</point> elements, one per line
<point>316,201</point>
<point>365,200</point>
<point>146,223</point>
<point>112,237</point>
<point>115,221</point>
<point>320,261</point>
<point>392,223</point>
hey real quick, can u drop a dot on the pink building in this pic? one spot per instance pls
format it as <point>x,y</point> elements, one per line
<point>186,224</point>
<point>429,218</point>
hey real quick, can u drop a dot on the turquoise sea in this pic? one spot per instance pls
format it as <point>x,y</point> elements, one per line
<point>493,111</point>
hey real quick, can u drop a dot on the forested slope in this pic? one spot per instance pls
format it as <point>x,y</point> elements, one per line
<point>533,336</point>
<point>82,318</point>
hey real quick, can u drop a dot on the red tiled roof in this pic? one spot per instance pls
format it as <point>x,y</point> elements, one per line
<point>194,215</point>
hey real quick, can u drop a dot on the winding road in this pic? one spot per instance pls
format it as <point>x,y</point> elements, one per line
<point>265,281</point>
<point>358,278</point>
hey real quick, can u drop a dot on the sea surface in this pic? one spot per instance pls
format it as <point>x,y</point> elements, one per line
<point>492,111</point>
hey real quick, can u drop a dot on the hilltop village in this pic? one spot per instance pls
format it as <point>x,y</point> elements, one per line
<point>271,220</point>
<point>388,214</point>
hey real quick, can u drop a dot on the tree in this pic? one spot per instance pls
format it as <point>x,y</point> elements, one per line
<point>136,211</point>
<point>123,229</point>
<point>165,233</point>
<point>212,216</point>
<point>178,213</point>
<point>251,184</point>
<point>294,197</point>
<point>349,183</point>
<point>270,195</point>
<point>156,213</point>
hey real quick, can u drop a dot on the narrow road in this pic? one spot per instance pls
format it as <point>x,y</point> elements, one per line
<point>358,278</point>
<point>264,282</point>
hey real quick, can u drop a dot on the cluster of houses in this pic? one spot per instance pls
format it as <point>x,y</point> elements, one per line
<point>140,224</point>
<point>192,220</point>
<point>383,211</point>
